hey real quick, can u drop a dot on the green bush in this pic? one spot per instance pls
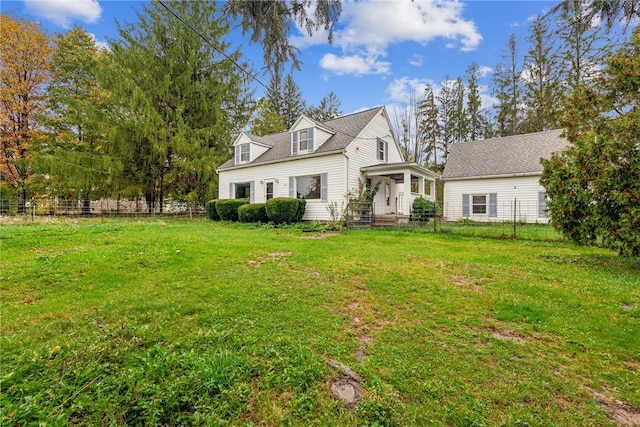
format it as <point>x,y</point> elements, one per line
<point>227,209</point>
<point>302,207</point>
<point>282,210</point>
<point>254,212</point>
<point>211,210</point>
<point>422,209</point>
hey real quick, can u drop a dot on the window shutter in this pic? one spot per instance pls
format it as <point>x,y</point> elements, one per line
<point>465,205</point>
<point>493,204</point>
<point>385,157</point>
<point>292,189</point>
<point>323,187</point>
<point>310,142</point>
<point>237,148</point>
<point>248,152</point>
<point>294,148</point>
<point>252,191</point>
<point>231,195</point>
<point>542,204</point>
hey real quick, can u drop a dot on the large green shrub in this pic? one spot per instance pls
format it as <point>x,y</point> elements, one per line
<point>302,207</point>
<point>422,209</point>
<point>211,210</point>
<point>227,209</point>
<point>254,212</point>
<point>282,210</point>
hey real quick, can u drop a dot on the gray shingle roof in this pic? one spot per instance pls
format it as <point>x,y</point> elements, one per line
<point>346,129</point>
<point>506,156</point>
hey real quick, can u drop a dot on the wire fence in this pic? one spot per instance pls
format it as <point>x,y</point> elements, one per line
<point>129,208</point>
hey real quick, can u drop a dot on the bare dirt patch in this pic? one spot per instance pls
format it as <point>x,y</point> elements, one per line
<point>317,235</point>
<point>464,282</point>
<point>274,256</point>
<point>508,335</point>
<point>622,413</point>
<point>347,387</point>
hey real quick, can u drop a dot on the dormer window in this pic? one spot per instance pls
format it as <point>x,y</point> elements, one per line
<point>302,141</point>
<point>242,153</point>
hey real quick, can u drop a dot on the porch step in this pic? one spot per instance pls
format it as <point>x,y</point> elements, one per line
<point>385,221</point>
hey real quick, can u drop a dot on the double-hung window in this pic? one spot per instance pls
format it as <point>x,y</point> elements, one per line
<point>381,149</point>
<point>479,204</point>
<point>304,140</point>
<point>244,153</point>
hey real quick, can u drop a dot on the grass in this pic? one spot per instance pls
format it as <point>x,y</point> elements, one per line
<point>198,323</point>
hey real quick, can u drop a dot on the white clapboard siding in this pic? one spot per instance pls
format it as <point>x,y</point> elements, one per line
<point>279,173</point>
<point>363,151</point>
<point>524,191</point>
<point>255,150</point>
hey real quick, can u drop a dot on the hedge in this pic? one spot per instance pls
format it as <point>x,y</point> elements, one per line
<point>422,209</point>
<point>211,210</point>
<point>254,212</point>
<point>302,207</point>
<point>227,209</point>
<point>282,210</point>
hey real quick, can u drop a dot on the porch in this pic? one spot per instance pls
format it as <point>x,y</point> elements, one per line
<point>403,183</point>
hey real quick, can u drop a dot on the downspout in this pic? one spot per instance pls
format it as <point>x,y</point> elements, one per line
<point>346,176</point>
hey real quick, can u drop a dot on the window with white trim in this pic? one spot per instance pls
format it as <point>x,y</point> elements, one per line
<point>308,187</point>
<point>381,150</point>
<point>244,153</point>
<point>303,138</point>
<point>479,204</point>
<point>302,141</point>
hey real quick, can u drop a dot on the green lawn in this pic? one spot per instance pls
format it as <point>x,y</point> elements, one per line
<point>198,323</point>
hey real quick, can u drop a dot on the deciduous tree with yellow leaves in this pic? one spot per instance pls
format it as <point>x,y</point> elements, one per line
<point>25,70</point>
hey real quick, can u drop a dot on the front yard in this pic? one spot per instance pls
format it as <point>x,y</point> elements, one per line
<point>152,322</point>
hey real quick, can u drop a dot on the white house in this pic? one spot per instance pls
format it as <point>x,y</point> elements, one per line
<point>498,179</point>
<point>322,163</point>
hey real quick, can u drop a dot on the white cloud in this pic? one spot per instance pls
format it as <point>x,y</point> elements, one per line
<point>401,90</point>
<point>99,44</point>
<point>354,64</point>
<point>372,26</point>
<point>483,71</point>
<point>64,12</point>
<point>416,60</point>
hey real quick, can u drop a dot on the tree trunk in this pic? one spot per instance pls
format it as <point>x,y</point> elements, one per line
<point>22,201</point>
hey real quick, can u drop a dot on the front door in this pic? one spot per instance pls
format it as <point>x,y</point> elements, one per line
<point>269,190</point>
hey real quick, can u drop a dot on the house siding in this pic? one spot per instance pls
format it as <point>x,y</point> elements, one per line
<point>320,136</point>
<point>525,191</point>
<point>363,152</point>
<point>333,165</point>
<point>255,150</point>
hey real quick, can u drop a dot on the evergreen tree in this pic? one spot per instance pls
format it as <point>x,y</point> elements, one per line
<point>582,46</point>
<point>428,127</point>
<point>475,118</point>
<point>508,90</point>
<point>181,101</point>
<point>594,185</point>
<point>542,82</point>
<point>447,100</point>
<point>293,103</point>
<point>266,119</point>
<point>461,128</point>
<point>75,160</point>
<point>25,70</point>
<point>275,94</point>
<point>328,109</point>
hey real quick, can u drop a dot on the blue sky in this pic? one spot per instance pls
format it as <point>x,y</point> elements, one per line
<point>383,49</point>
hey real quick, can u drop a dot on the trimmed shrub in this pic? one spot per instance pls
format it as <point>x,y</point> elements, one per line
<point>302,207</point>
<point>422,209</point>
<point>227,209</point>
<point>211,210</point>
<point>254,212</point>
<point>282,210</point>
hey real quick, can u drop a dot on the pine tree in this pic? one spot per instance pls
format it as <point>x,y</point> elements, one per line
<point>542,82</point>
<point>328,109</point>
<point>181,101</point>
<point>75,160</point>
<point>582,46</point>
<point>293,103</point>
<point>508,91</point>
<point>266,119</point>
<point>428,127</point>
<point>475,118</point>
<point>25,70</point>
